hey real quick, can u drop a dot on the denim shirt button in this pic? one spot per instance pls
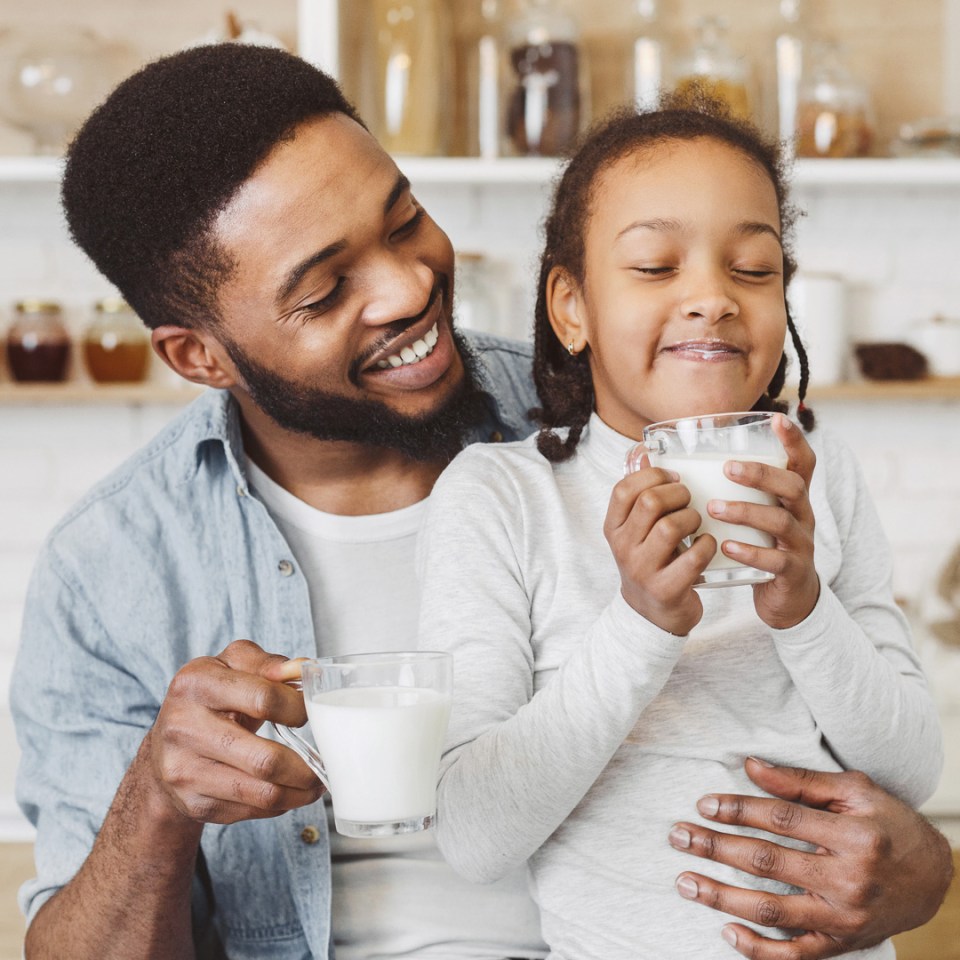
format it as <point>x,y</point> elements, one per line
<point>496,437</point>
<point>310,834</point>
<point>285,567</point>
<point>240,491</point>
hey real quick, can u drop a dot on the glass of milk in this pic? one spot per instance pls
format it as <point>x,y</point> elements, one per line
<point>378,721</point>
<point>696,448</point>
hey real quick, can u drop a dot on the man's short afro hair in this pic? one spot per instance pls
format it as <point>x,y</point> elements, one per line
<point>155,163</point>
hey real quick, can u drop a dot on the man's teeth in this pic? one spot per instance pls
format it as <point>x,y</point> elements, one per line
<point>414,353</point>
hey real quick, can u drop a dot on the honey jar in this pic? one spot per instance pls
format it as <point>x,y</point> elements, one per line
<point>116,347</point>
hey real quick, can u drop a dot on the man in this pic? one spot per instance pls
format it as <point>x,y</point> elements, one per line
<point>279,256</point>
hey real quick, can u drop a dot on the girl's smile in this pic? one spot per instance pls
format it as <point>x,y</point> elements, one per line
<point>706,350</point>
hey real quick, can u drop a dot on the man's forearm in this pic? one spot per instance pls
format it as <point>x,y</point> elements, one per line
<point>131,898</point>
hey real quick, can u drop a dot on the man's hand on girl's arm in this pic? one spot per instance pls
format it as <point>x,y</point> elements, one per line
<point>879,867</point>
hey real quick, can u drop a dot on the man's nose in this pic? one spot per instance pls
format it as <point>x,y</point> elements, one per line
<point>400,289</point>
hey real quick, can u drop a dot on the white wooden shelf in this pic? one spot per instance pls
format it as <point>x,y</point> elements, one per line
<point>30,169</point>
<point>881,172</point>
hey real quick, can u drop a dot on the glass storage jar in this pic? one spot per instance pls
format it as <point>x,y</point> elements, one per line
<point>38,344</point>
<point>407,75</point>
<point>712,69</point>
<point>834,115</point>
<point>545,106</point>
<point>482,76</point>
<point>116,347</point>
<point>646,59</point>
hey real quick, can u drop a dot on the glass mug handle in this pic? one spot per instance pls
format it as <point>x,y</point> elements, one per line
<point>300,746</point>
<point>636,453</point>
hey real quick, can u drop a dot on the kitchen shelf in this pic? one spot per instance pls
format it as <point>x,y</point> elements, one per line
<point>90,394</point>
<point>146,394</point>
<point>930,388</point>
<point>30,169</point>
<point>877,172</point>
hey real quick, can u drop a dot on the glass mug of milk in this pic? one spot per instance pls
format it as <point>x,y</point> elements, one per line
<point>696,448</point>
<point>378,721</point>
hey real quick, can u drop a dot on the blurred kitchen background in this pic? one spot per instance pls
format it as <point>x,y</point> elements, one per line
<point>477,98</point>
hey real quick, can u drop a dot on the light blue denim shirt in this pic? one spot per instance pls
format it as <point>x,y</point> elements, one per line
<point>169,558</point>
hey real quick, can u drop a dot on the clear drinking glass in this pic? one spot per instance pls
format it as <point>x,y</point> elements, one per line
<point>378,722</point>
<point>697,448</point>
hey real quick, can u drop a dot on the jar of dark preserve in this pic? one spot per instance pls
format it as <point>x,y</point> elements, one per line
<point>38,344</point>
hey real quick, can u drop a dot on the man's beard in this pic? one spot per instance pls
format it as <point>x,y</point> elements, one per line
<point>437,435</point>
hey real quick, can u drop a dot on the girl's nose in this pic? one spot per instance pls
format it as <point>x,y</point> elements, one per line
<point>709,300</point>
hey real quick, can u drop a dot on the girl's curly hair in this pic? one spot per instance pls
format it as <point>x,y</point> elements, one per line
<point>563,382</point>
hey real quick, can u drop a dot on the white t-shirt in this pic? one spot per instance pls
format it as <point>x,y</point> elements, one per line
<point>392,897</point>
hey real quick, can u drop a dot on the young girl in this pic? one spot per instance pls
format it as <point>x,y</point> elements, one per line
<point>597,692</point>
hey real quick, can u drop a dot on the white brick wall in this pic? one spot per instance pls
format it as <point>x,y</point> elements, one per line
<point>899,249</point>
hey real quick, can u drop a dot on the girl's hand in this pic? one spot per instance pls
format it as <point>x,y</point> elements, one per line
<point>792,594</point>
<point>649,514</point>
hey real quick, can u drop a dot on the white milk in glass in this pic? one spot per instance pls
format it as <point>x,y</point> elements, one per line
<point>702,474</point>
<point>381,749</point>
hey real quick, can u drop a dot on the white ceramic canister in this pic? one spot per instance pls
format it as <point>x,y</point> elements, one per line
<point>819,309</point>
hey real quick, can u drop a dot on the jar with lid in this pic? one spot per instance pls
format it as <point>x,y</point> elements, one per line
<point>38,344</point>
<point>116,347</point>
<point>834,115</point>
<point>792,37</point>
<point>482,75</point>
<point>545,105</point>
<point>711,68</point>
<point>408,72</point>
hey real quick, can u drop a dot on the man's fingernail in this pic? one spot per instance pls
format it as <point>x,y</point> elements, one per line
<point>717,506</point>
<point>735,467</point>
<point>730,935</point>
<point>680,838</point>
<point>687,888</point>
<point>763,763</point>
<point>709,806</point>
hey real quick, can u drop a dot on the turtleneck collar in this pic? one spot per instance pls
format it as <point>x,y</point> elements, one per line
<point>604,447</point>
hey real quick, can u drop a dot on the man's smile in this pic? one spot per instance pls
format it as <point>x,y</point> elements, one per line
<point>414,352</point>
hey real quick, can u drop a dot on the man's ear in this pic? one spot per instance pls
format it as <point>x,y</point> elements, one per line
<point>195,355</point>
<point>566,311</point>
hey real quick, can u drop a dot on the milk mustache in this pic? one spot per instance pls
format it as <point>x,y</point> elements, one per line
<point>381,749</point>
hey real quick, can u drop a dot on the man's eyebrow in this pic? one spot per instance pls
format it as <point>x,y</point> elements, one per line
<point>301,269</point>
<point>331,250</point>
<point>399,188</point>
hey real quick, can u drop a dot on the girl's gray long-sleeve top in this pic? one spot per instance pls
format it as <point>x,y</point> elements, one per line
<point>580,731</point>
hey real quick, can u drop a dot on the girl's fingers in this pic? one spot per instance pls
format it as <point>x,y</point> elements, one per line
<point>800,457</point>
<point>647,487</point>
<point>782,525</point>
<point>784,484</point>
